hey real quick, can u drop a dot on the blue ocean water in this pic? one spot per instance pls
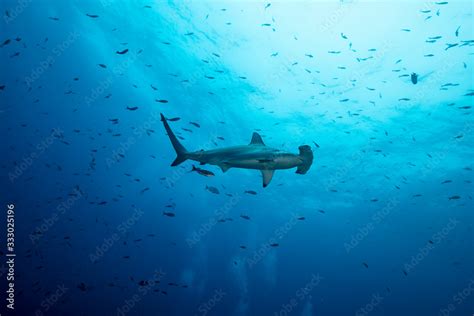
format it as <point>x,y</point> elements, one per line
<point>382,223</point>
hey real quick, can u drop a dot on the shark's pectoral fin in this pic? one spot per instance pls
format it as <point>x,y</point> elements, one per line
<point>224,167</point>
<point>267,176</point>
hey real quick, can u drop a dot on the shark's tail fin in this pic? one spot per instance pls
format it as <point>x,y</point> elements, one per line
<point>181,152</point>
<point>306,154</point>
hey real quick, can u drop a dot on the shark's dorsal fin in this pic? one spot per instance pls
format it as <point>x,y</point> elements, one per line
<point>256,139</point>
<point>267,176</point>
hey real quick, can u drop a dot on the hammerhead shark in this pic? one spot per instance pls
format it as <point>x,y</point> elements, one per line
<point>252,156</point>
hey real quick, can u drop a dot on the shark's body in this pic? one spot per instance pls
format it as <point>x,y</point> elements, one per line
<point>253,156</point>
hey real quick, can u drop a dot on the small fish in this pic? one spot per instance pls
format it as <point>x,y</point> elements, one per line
<point>250,192</point>
<point>212,189</point>
<point>243,247</point>
<point>94,16</point>
<point>122,52</point>
<point>53,18</point>
<point>441,3</point>
<point>245,217</point>
<point>448,46</point>
<point>143,282</point>
<point>457,31</point>
<point>133,108</point>
<point>169,214</point>
<point>302,218</point>
<point>173,119</point>
<point>162,101</point>
<point>195,124</point>
<point>315,144</point>
<point>454,197</point>
<point>203,172</point>
<point>365,265</point>
<point>404,99</point>
<point>414,78</point>
<point>103,65</point>
<point>343,36</point>
<point>6,42</point>
<point>450,85</point>
<point>274,245</point>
